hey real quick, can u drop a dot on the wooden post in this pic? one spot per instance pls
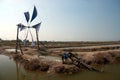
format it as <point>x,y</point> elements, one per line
<point>20,47</point>
<point>77,62</point>
<point>17,40</point>
<point>37,39</point>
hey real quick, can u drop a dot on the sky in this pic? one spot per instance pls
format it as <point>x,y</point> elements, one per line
<point>63,20</point>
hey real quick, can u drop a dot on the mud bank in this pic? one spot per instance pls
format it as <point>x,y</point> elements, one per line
<point>101,58</point>
<point>32,62</point>
<point>36,64</point>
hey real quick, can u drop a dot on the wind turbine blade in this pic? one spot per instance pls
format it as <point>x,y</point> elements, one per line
<point>27,16</point>
<point>34,14</point>
<point>21,26</point>
<point>37,26</point>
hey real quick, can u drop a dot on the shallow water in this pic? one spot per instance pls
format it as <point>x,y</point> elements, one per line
<point>11,50</point>
<point>10,70</point>
<point>86,47</point>
<point>51,58</point>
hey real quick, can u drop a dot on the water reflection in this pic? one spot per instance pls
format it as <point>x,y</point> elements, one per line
<point>17,70</point>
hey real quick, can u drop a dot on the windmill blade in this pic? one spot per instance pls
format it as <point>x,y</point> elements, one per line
<point>34,14</point>
<point>25,40</point>
<point>27,16</point>
<point>37,26</point>
<point>33,43</point>
<point>27,34</point>
<point>21,26</point>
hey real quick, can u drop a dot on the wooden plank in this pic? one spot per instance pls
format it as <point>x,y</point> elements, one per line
<point>77,62</point>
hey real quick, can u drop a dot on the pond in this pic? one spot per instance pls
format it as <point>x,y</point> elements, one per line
<point>11,70</point>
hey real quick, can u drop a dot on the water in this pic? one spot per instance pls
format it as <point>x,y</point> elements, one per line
<point>11,50</point>
<point>51,58</point>
<point>86,47</point>
<point>11,70</point>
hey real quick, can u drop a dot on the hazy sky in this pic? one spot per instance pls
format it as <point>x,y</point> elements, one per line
<point>64,20</point>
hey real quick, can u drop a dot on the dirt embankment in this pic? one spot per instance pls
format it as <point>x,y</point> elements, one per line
<point>103,57</point>
<point>32,62</point>
<point>36,64</point>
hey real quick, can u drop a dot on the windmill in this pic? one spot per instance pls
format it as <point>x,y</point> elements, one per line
<point>28,26</point>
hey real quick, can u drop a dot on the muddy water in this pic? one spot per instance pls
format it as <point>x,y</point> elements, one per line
<point>10,70</point>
